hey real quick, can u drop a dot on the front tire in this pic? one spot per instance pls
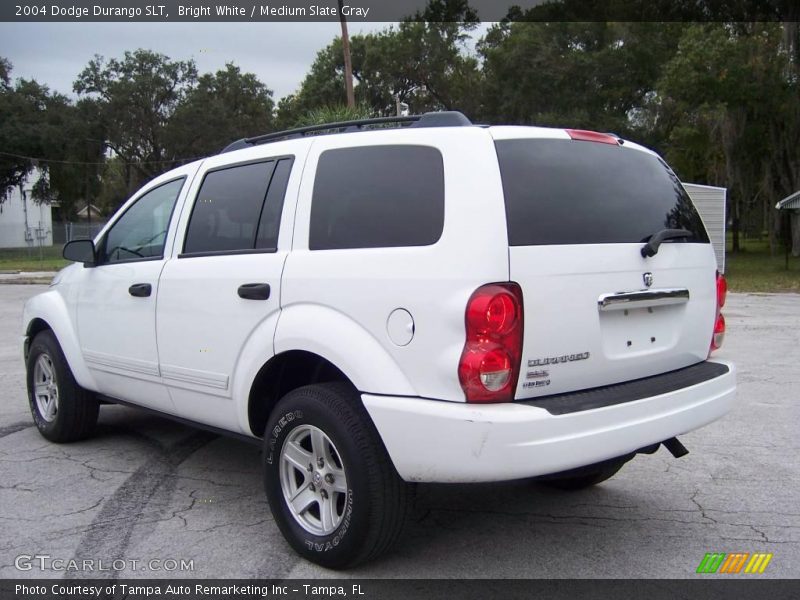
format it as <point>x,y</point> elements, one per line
<point>62,410</point>
<point>331,486</point>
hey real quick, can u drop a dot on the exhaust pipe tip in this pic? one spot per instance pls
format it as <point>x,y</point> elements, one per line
<point>675,447</point>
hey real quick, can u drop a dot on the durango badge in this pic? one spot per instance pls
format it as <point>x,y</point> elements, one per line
<point>553,360</point>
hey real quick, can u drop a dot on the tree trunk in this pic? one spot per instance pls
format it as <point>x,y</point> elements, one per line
<point>736,224</point>
<point>773,228</point>
<point>794,220</point>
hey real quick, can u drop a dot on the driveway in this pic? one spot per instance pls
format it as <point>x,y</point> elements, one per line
<point>146,491</point>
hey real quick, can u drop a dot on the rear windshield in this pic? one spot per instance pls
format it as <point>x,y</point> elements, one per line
<point>576,192</point>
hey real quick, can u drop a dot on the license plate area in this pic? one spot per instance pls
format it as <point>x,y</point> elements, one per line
<point>636,331</point>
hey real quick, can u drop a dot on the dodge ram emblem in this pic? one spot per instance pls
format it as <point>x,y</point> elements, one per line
<point>648,279</point>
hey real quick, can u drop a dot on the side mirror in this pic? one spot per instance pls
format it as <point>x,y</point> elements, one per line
<point>80,251</point>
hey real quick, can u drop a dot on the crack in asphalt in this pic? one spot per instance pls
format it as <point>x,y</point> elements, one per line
<point>737,493</point>
<point>562,518</point>
<point>110,532</point>
<point>759,532</point>
<point>18,487</point>
<point>699,506</point>
<point>599,520</point>
<point>179,514</point>
<point>77,512</point>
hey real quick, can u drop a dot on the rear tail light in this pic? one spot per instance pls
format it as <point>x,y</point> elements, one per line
<point>489,365</point>
<point>719,324</point>
<point>722,291</point>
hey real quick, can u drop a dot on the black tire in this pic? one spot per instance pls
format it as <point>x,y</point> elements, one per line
<point>373,503</point>
<point>75,414</point>
<point>583,477</point>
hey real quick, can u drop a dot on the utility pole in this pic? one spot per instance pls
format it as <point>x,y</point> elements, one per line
<point>86,186</point>
<point>348,65</point>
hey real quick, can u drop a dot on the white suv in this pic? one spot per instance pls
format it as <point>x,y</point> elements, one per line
<point>403,300</point>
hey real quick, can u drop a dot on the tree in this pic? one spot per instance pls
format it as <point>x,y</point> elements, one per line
<point>5,73</point>
<point>221,108</point>
<point>422,62</point>
<point>158,114</point>
<point>22,106</point>
<point>727,101</point>
<point>113,189</point>
<point>71,152</point>
<point>427,58</point>
<point>785,135</point>
<point>137,96</point>
<point>322,86</point>
<point>44,130</point>
<point>333,114</point>
<point>591,75</point>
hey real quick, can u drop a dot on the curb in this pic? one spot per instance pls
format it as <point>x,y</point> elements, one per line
<point>26,281</point>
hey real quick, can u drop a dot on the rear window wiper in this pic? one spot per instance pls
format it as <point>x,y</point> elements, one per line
<point>651,247</point>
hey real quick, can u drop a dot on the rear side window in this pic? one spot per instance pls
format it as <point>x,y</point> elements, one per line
<point>238,208</point>
<point>377,197</point>
<point>576,192</point>
<point>270,221</point>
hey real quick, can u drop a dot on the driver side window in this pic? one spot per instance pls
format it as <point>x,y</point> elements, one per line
<point>141,232</point>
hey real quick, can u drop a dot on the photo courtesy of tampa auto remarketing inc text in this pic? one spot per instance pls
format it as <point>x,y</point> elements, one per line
<point>412,299</point>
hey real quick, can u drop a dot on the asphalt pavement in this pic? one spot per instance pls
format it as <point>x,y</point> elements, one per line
<point>165,500</point>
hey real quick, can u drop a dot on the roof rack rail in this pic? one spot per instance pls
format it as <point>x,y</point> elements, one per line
<point>431,119</point>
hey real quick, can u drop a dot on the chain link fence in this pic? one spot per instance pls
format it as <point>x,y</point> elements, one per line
<point>67,231</point>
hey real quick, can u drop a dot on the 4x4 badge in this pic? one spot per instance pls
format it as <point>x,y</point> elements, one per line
<point>648,279</point>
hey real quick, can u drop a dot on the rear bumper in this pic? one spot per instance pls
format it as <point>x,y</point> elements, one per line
<point>437,441</point>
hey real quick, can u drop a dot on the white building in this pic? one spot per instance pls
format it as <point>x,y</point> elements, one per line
<point>710,203</point>
<point>23,222</point>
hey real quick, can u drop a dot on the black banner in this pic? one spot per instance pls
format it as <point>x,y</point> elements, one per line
<point>734,588</point>
<point>396,10</point>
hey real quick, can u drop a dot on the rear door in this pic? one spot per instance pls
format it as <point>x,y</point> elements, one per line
<point>224,283</point>
<point>596,311</point>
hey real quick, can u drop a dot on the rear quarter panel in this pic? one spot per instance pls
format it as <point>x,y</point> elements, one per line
<point>327,291</point>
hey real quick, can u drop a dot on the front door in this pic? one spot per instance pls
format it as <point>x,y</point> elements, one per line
<point>116,308</point>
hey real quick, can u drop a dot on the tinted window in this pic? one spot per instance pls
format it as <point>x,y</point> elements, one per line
<point>229,205</point>
<point>271,215</point>
<point>142,230</point>
<point>377,196</point>
<point>576,192</point>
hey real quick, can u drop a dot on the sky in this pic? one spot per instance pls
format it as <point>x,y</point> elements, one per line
<point>280,54</point>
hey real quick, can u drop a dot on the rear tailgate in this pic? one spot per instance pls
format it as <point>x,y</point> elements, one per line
<point>596,311</point>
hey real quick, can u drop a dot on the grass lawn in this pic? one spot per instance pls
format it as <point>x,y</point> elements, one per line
<point>754,270</point>
<point>751,270</point>
<point>47,258</point>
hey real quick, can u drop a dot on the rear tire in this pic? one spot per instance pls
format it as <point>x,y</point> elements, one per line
<point>583,477</point>
<point>62,410</point>
<point>331,486</point>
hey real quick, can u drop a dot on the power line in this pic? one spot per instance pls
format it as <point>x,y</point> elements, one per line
<point>78,162</point>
